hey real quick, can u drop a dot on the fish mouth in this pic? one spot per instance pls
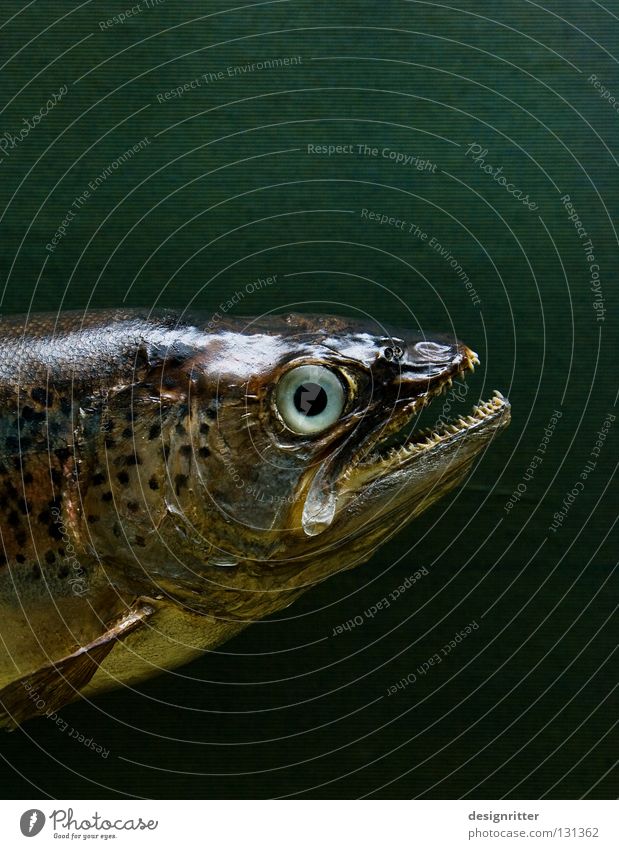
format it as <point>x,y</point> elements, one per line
<point>399,467</point>
<point>398,443</point>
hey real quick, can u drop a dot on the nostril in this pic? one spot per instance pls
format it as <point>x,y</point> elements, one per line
<point>432,350</point>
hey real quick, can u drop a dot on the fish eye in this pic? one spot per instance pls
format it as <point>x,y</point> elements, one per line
<point>309,399</point>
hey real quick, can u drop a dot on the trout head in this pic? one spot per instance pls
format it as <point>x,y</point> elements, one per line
<point>298,454</point>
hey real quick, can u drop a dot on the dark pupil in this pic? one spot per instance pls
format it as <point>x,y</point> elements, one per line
<point>310,398</point>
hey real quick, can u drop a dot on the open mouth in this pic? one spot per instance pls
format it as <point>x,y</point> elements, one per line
<point>398,442</point>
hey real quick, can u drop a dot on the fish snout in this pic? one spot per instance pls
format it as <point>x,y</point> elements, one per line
<point>435,359</point>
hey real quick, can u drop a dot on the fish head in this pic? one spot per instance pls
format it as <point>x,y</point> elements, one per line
<point>312,459</point>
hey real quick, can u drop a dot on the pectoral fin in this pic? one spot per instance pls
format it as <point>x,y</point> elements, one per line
<point>49,688</point>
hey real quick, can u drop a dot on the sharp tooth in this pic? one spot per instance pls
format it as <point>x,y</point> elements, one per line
<point>498,395</point>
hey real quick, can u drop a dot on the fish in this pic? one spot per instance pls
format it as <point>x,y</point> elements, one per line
<point>167,478</point>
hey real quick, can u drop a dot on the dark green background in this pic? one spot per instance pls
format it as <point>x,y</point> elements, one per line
<point>226,192</point>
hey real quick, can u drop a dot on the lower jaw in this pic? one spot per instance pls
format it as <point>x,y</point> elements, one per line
<point>385,460</point>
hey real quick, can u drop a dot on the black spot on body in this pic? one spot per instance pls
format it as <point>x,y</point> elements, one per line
<point>186,450</point>
<point>42,396</point>
<point>204,428</point>
<point>140,541</point>
<point>50,557</point>
<point>63,572</point>
<point>180,481</point>
<point>211,414</point>
<point>107,496</point>
<point>155,431</point>
<point>204,451</point>
<point>65,406</point>
<point>11,443</point>
<point>153,483</point>
<point>134,460</point>
<point>10,490</point>
<point>13,519</point>
<point>98,479</point>
<point>123,478</point>
<point>20,538</point>
<point>133,506</point>
<point>36,572</point>
<point>92,518</point>
<point>20,558</point>
<point>54,531</point>
<point>128,433</point>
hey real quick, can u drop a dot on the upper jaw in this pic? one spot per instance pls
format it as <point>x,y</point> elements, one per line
<point>412,396</point>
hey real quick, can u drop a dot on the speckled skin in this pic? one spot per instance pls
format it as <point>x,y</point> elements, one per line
<point>148,487</point>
